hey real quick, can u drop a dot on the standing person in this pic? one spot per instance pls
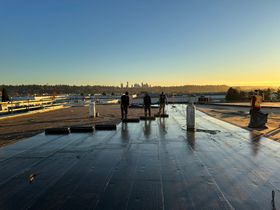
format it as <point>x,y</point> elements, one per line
<point>162,102</point>
<point>124,105</point>
<point>257,118</point>
<point>256,101</point>
<point>147,104</point>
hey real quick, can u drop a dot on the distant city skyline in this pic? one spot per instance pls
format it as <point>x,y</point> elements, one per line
<point>138,85</point>
<point>159,42</point>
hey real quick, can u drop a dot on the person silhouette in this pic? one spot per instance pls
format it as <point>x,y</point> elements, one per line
<point>124,105</point>
<point>147,104</point>
<point>162,102</point>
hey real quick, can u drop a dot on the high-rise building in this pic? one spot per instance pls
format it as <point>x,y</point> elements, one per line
<point>121,85</point>
<point>136,85</point>
<point>127,85</point>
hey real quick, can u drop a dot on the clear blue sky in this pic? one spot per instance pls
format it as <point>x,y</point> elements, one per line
<point>166,42</point>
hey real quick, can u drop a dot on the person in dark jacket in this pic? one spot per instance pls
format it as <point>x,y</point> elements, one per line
<point>147,104</point>
<point>124,105</point>
<point>162,102</point>
<point>258,119</point>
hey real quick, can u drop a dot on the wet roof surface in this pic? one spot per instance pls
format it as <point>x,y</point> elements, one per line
<point>146,165</point>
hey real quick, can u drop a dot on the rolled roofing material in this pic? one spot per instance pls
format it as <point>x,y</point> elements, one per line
<point>162,115</point>
<point>147,118</point>
<point>81,129</point>
<point>55,131</point>
<point>106,127</point>
<point>132,120</point>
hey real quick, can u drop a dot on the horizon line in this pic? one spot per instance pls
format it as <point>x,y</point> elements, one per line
<point>103,85</point>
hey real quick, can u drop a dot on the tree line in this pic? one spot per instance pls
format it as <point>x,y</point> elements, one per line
<point>236,94</point>
<point>31,90</point>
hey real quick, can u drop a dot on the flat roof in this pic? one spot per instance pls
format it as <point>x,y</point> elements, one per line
<point>146,165</point>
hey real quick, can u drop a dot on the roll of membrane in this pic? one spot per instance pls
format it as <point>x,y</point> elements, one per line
<point>131,120</point>
<point>162,115</point>
<point>57,131</point>
<point>105,127</point>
